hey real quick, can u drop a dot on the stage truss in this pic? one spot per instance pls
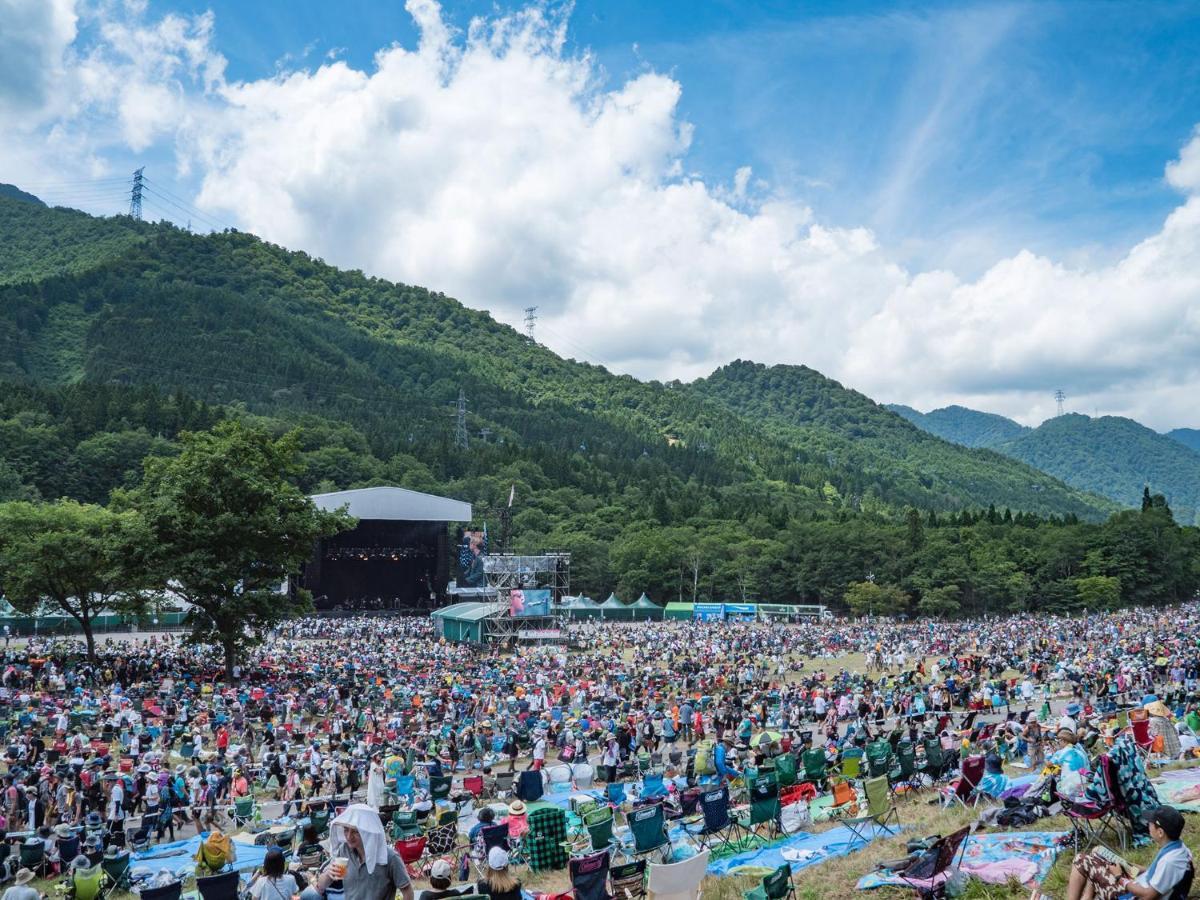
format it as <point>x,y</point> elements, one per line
<point>508,572</point>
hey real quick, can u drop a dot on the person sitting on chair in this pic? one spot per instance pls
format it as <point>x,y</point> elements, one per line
<point>1095,878</point>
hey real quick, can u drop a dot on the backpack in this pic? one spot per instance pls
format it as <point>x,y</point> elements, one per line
<point>706,757</point>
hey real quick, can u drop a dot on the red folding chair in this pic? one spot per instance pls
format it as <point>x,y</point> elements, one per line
<point>473,785</point>
<point>410,851</point>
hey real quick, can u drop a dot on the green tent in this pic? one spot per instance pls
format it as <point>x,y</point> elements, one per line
<point>679,611</point>
<point>614,609</point>
<point>644,609</point>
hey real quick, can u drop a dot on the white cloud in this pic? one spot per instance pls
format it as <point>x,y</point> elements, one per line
<point>503,169</point>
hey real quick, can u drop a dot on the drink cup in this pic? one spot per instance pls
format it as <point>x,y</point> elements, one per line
<point>338,867</point>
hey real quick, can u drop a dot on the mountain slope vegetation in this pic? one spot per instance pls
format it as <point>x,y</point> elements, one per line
<point>780,484</point>
<point>961,425</point>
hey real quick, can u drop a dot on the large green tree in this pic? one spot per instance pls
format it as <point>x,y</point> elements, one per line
<point>71,557</point>
<point>226,527</point>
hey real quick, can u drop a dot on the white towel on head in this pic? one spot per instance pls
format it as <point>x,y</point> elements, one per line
<point>365,820</point>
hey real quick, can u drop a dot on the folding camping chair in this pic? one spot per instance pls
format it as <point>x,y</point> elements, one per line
<point>599,825</point>
<point>473,785</point>
<point>880,810</point>
<point>628,880</point>
<point>678,881</point>
<point>589,876</point>
<point>717,823</point>
<point>116,869</point>
<point>405,824</point>
<point>776,886</point>
<point>851,767</point>
<point>785,769</point>
<point>439,787</point>
<point>1091,821</point>
<point>905,773</point>
<point>443,836</point>
<point>170,891</point>
<point>504,784</point>
<point>244,810</point>
<point>653,786</point>
<point>85,883</point>
<point>648,825</point>
<point>224,886</point>
<point>410,850</point>
<point>879,758</point>
<point>544,843</point>
<point>1142,738</point>
<point>764,808</point>
<point>963,790</point>
<point>935,759</point>
<point>814,767</point>
<point>925,871</point>
<point>615,792</point>
<point>530,786</point>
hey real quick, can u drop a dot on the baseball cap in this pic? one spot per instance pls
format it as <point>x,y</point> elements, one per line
<point>497,858</point>
<point>440,869</point>
<point>1168,818</point>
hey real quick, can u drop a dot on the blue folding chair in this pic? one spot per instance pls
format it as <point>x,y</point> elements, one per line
<point>652,786</point>
<point>615,790</point>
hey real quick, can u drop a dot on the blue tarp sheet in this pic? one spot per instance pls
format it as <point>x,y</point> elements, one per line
<point>181,855</point>
<point>801,850</point>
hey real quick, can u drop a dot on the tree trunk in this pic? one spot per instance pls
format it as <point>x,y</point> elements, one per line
<point>230,654</point>
<point>85,623</point>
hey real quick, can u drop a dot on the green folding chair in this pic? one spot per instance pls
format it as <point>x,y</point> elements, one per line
<point>778,884</point>
<point>879,758</point>
<point>764,808</point>
<point>851,766</point>
<point>785,769</point>
<point>243,811</point>
<point>815,767</point>
<point>599,825</point>
<point>935,758</point>
<point>648,824</point>
<point>880,811</point>
<point>439,787</point>
<point>905,772</point>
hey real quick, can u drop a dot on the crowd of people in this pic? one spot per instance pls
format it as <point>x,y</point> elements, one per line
<point>150,732</point>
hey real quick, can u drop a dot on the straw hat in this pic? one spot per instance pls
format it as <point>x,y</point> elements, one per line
<point>516,808</point>
<point>24,876</point>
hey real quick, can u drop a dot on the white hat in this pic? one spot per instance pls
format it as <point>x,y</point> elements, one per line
<point>497,858</point>
<point>441,869</point>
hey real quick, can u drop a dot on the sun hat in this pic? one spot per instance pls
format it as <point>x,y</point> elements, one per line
<point>516,808</point>
<point>497,859</point>
<point>24,876</point>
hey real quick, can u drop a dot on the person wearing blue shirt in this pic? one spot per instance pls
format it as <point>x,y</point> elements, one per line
<point>721,758</point>
<point>1095,876</point>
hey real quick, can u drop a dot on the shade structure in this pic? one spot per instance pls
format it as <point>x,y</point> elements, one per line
<point>613,608</point>
<point>643,609</point>
<point>679,610</point>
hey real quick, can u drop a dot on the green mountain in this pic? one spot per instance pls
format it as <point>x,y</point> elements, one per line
<point>1116,457</point>
<point>115,335</point>
<point>1189,437</point>
<point>1111,456</point>
<point>804,408</point>
<point>960,425</point>
<point>15,193</point>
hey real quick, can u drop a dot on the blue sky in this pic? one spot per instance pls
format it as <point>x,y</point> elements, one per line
<point>955,131</point>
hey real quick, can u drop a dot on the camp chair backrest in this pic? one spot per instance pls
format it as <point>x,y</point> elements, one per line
<point>473,784</point>
<point>649,827</point>
<point>876,790</point>
<point>681,879</point>
<point>851,766</point>
<point>934,758</point>
<point>939,857</point>
<point>218,887</point>
<point>405,785</point>
<point>814,764</point>
<point>843,793</point>
<point>615,791</point>
<point>87,884</point>
<point>628,879</point>
<point>1193,721</point>
<point>589,876</point>
<point>785,769</point>
<point>168,892</point>
<point>494,836</point>
<point>972,773</point>
<point>1112,781</point>
<point>32,854</point>
<point>412,849</point>
<point>68,848</point>
<point>1138,715</point>
<point>244,806</point>
<point>1141,732</point>
<point>439,786</point>
<point>906,755</point>
<point>779,883</point>
<point>715,807</point>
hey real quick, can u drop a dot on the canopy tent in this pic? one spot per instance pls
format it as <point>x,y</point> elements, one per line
<point>463,622</point>
<point>678,611</point>
<point>613,608</point>
<point>741,611</point>
<point>579,607</point>
<point>643,608</point>
<point>708,612</point>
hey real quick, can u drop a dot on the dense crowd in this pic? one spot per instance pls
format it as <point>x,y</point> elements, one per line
<point>151,732</point>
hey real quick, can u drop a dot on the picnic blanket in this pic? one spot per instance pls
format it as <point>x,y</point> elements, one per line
<point>800,851</point>
<point>1179,788</point>
<point>179,857</point>
<point>996,858</point>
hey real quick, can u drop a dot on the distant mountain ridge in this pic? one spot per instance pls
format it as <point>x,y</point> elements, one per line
<point>961,425</point>
<point>1110,455</point>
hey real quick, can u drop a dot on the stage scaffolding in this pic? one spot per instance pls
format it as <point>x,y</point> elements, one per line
<point>508,572</point>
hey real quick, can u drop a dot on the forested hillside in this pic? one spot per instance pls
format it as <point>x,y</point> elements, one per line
<point>1112,456</point>
<point>116,335</point>
<point>1116,457</point>
<point>960,425</point>
<point>804,407</point>
<point>1189,437</point>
